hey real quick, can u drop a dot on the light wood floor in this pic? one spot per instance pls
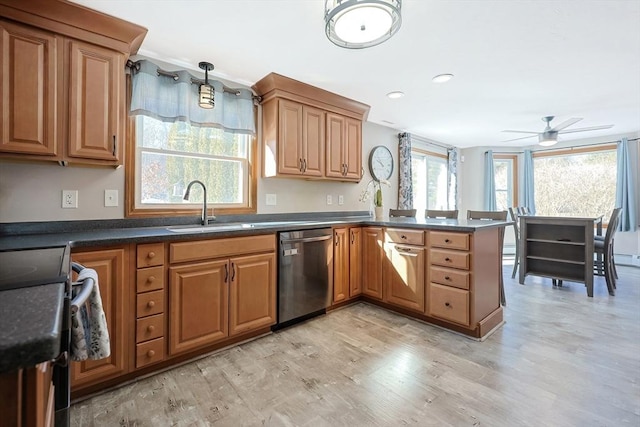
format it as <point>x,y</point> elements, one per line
<point>562,359</point>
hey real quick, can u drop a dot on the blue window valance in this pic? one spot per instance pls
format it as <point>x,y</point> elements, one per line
<point>174,97</point>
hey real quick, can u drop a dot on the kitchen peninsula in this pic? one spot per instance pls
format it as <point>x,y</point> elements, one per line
<point>445,272</point>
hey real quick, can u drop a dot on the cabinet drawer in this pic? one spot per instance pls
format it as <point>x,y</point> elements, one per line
<point>448,303</point>
<point>450,277</point>
<point>149,352</point>
<point>219,248</point>
<point>440,239</point>
<point>446,258</point>
<point>150,303</point>
<point>150,255</point>
<point>149,328</point>
<point>410,237</point>
<point>149,279</point>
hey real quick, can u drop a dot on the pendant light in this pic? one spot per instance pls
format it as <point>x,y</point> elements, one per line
<point>206,93</point>
<point>357,24</point>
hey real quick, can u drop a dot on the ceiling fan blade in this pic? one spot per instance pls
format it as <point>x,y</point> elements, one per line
<point>520,131</point>
<point>566,124</point>
<point>586,129</point>
<point>516,139</point>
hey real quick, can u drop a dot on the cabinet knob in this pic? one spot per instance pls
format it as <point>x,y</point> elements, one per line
<point>447,241</point>
<point>151,304</point>
<point>447,278</point>
<point>151,254</point>
<point>403,237</point>
<point>447,259</point>
<point>150,328</point>
<point>151,353</point>
<point>151,279</point>
<point>447,304</point>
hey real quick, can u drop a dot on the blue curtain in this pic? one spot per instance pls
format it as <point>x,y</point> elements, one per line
<point>489,182</point>
<point>452,178</point>
<point>176,99</point>
<point>528,188</point>
<point>405,182</point>
<point>625,191</point>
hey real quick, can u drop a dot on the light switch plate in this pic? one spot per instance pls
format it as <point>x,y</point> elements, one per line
<point>110,198</point>
<point>329,201</point>
<point>341,199</point>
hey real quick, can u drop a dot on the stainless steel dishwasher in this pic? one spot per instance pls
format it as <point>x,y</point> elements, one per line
<point>305,274</point>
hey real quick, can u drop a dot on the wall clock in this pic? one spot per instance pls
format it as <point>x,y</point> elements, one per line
<point>380,163</point>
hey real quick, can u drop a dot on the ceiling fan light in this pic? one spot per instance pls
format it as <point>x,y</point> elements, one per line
<point>357,24</point>
<point>547,140</point>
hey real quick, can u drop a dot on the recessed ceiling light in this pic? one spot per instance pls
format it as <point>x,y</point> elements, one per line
<point>441,78</point>
<point>396,94</point>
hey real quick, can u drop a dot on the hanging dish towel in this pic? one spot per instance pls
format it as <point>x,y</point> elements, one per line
<point>89,333</point>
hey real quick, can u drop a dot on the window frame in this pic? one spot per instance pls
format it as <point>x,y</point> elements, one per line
<point>515,199</point>
<point>427,153</point>
<point>132,211</point>
<point>578,150</point>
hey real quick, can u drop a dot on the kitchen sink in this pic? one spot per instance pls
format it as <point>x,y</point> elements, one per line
<point>208,228</point>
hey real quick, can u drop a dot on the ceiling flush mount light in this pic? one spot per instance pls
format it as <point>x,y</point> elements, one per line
<point>395,94</point>
<point>442,78</point>
<point>547,139</point>
<point>356,24</point>
<point>206,93</point>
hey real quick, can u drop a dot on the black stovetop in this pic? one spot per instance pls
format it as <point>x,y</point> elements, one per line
<point>33,267</point>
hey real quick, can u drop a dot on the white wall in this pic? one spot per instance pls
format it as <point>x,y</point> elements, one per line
<point>33,191</point>
<point>472,184</point>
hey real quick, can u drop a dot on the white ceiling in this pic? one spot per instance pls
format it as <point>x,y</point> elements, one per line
<point>513,61</point>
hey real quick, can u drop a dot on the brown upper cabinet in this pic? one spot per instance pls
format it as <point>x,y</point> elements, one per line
<point>308,132</point>
<point>63,82</point>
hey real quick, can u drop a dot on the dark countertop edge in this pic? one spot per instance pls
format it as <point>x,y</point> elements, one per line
<point>123,235</point>
<point>40,341</point>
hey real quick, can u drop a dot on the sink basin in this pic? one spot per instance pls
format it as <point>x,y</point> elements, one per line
<point>208,228</point>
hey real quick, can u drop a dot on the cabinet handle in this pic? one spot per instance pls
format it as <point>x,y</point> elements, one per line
<point>151,304</point>
<point>447,241</point>
<point>151,255</point>
<point>151,279</point>
<point>151,353</point>
<point>447,278</point>
<point>233,271</point>
<point>447,304</point>
<point>337,239</point>
<point>361,172</point>
<point>300,164</point>
<point>304,165</point>
<point>353,237</point>
<point>403,237</point>
<point>447,259</point>
<point>150,328</point>
<point>114,146</point>
<point>226,272</point>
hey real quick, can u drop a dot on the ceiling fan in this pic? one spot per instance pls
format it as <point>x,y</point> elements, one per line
<point>549,136</point>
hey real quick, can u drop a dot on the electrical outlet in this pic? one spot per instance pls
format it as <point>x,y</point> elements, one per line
<point>70,199</point>
<point>341,199</point>
<point>110,198</point>
<point>329,201</point>
<point>271,200</point>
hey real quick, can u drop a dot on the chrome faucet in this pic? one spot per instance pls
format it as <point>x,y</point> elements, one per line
<point>204,220</point>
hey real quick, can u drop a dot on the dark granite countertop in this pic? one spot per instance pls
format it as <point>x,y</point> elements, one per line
<point>30,317</point>
<point>31,320</point>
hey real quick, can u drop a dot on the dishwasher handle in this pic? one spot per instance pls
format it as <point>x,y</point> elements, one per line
<point>307,239</point>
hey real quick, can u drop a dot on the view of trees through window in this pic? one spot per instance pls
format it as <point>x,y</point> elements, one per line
<point>581,184</point>
<point>170,155</point>
<point>429,179</point>
<point>505,179</point>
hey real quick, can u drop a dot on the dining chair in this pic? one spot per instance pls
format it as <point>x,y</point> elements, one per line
<point>434,213</point>
<point>523,210</point>
<point>599,236</point>
<point>500,216</point>
<point>402,212</point>
<point>604,265</point>
<point>516,230</point>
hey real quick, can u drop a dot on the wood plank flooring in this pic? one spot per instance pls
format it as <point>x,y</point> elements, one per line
<point>562,359</point>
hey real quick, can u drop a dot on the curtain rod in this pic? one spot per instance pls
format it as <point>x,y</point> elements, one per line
<point>564,148</point>
<point>174,75</point>
<point>426,141</point>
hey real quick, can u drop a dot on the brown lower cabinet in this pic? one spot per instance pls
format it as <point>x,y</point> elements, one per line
<point>28,397</point>
<point>372,256</point>
<point>347,263</point>
<point>404,269</point>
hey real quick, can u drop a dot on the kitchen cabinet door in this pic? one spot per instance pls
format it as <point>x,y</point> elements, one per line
<point>403,276</point>
<point>355,261</point>
<point>290,125</point>
<point>30,89</point>
<point>313,125</point>
<point>252,293</point>
<point>335,166</point>
<point>372,257</point>
<point>340,264</point>
<point>198,295</point>
<point>352,150</point>
<point>112,268</point>
<point>96,103</point>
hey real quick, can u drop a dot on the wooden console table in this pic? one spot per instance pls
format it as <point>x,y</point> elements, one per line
<point>557,247</point>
